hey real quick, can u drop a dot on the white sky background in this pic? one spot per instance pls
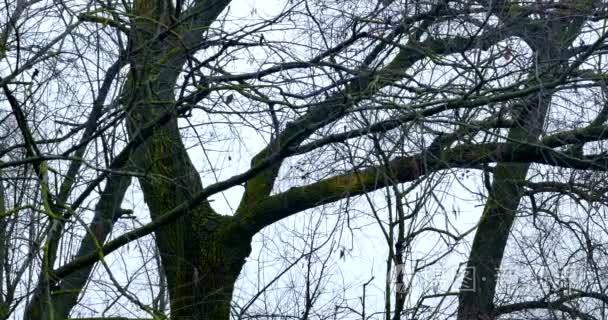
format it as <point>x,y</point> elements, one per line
<point>276,247</point>
<point>355,230</point>
<point>365,248</point>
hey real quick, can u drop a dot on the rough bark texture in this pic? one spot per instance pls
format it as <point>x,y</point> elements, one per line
<point>202,253</point>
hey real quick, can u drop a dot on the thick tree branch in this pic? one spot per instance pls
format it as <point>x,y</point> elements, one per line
<point>556,304</point>
<point>357,89</point>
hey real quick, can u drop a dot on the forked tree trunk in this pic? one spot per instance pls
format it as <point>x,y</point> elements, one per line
<point>203,252</point>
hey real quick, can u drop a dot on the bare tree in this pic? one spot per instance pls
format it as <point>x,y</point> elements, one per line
<point>186,130</point>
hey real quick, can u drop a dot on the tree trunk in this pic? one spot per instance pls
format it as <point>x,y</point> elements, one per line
<point>476,300</point>
<point>202,253</point>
